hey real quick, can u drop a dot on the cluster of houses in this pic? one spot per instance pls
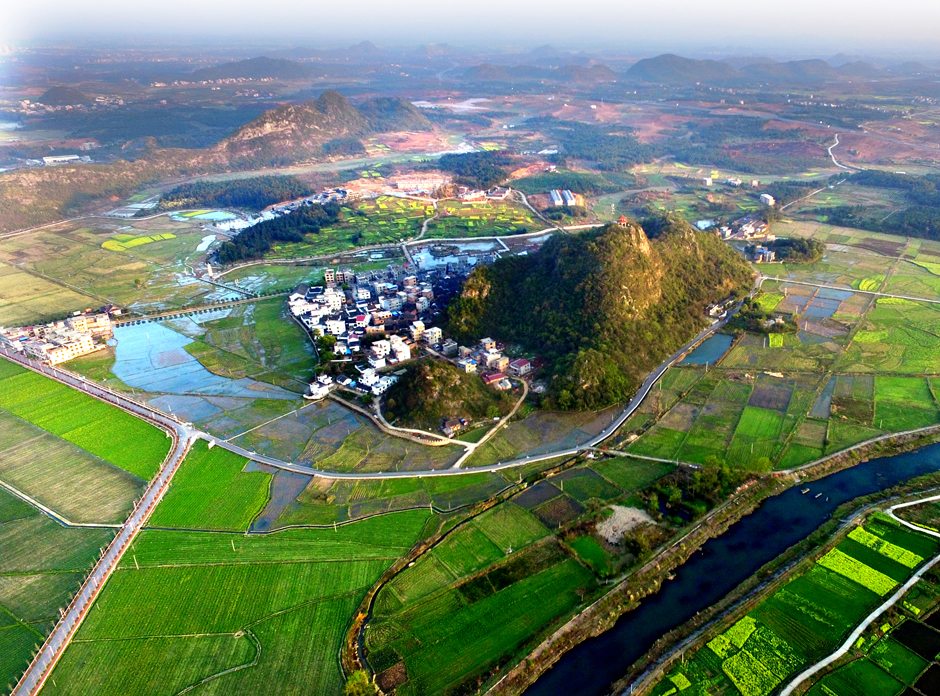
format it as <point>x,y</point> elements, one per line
<point>747,228</point>
<point>352,306</point>
<point>373,315</point>
<point>720,310</point>
<point>487,360</point>
<point>59,341</point>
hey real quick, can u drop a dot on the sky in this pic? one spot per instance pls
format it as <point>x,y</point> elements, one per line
<point>902,27</point>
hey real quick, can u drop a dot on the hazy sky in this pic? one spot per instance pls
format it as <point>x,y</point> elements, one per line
<point>820,26</point>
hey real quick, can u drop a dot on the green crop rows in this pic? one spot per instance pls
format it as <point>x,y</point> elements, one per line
<point>276,604</point>
<point>41,565</point>
<point>103,430</point>
<point>210,491</point>
<point>806,619</point>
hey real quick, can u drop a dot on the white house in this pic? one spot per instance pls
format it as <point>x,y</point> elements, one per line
<point>381,348</point>
<point>433,336</point>
<point>335,327</point>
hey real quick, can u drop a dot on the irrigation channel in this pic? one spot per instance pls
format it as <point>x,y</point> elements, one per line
<point>721,565</point>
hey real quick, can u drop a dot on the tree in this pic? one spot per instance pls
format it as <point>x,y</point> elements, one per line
<point>358,684</point>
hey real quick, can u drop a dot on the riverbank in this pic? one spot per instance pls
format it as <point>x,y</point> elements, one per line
<point>648,580</point>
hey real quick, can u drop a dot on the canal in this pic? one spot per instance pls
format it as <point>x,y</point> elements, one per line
<point>721,565</point>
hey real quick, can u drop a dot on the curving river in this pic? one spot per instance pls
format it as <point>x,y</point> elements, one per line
<point>720,566</point>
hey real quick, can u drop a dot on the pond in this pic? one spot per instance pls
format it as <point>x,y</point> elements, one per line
<point>710,351</point>
<point>152,357</point>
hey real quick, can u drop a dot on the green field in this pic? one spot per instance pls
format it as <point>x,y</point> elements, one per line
<point>27,298</point>
<point>280,603</point>
<point>98,428</point>
<point>807,618</point>
<point>453,635</point>
<point>41,565</point>
<point>496,583</point>
<point>68,269</point>
<point>62,476</point>
<point>211,491</point>
<point>259,341</point>
<point>486,219</point>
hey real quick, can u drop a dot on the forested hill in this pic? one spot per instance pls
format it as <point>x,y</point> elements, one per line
<point>603,308</point>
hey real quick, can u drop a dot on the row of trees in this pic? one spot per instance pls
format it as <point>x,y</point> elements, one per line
<point>255,193</point>
<point>256,241</point>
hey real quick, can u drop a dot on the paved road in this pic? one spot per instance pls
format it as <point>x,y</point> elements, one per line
<point>843,288</point>
<point>171,422</point>
<point>833,157</point>
<point>870,619</point>
<point>65,629</point>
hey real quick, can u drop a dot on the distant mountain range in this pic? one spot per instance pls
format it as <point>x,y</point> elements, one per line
<point>487,72</point>
<point>673,69</point>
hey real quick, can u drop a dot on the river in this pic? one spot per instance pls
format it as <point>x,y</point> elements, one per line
<point>720,566</point>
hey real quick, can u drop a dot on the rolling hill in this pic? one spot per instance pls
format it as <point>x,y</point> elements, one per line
<point>292,132</point>
<point>673,69</point>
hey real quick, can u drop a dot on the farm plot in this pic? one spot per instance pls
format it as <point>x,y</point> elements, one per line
<point>149,276</point>
<point>799,352</point>
<point>212,491</point>
<point>279,602</point>
<point>483,219</point>
<point>453,636</point>
<point>807,618</point>
<point>65,478</point>
<point>324,502</point>
<point>41,565</point>
<point>386,220</point>
<point>26,298</point>
<point>897,336</point>
<point>258,341</point>
<point>100,429</point>
<point>917,278</point>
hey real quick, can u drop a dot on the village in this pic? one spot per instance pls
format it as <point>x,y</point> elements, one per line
<point>60,341</point>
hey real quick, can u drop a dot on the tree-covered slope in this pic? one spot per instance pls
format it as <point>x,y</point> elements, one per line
<point>602,308</point>
<point>433,390</point>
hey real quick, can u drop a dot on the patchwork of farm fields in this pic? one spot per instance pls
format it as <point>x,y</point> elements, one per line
<point>898,654</point>
<point>71,268</point>
<point>63,477</point>
<point>42,564</point>
<point>278,606</point>
<point>257,340</point>
<point>808,618</point>
<point>485,219</point>
<point>858,367</point>
<point>385,220</point>
<point>497,583</point>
